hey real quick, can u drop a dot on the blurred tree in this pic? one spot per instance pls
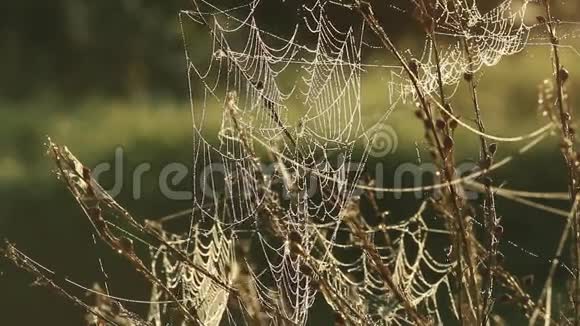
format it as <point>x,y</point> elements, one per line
<point>78,47</point>
<point>74,48</point>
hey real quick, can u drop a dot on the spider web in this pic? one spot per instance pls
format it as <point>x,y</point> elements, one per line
<point>264,242</point>
<point>490,36</point>
<point>293,216</point>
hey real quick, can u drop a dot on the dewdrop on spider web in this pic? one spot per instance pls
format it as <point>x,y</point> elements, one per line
<point>220,54</point>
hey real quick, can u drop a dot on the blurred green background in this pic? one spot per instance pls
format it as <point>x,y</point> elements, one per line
<point>98,75</point>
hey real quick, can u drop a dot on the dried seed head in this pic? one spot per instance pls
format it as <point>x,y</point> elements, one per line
<point>449,108</point>
<point>295,237</point>
<point>448,143</point>
<point>498,231</point>
<point>485,163</point>
<point>94,212</point>
<point>492,148</point>
<point>440,124</point>
<point>563,75</point>
<point>453,124</point>
<point>126,244</point>
<point>339,320</point>
<point>419,114</point>
<point>487,181</point>
<point>566,144</point>
<point>116,308</point>
<point>315,284</point>
<point>468,76</point>
<point>86,174</point>
<point>306,270</point>
<point>414,67</point>
<point>541,19</point>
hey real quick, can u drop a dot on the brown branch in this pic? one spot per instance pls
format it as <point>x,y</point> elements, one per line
<point>20,260</point>
<point>568,150</point>
<point>367,13</point>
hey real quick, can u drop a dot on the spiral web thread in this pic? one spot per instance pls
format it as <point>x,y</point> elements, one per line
<point>306,199</point>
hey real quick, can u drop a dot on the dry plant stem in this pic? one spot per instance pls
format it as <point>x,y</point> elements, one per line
<point>511,283</point>
<point>385,273</point>
<point>371,20</point>
<point>489,211</point>
<point>448,162</point>
<point>23,262</point>
<point>520,296</point>
<point>439,74</point>
<point>567,149</point>
<point>555,263</point>
<point>102,230</point>
<point>375,207</point>
<point>93,212</point>
<point>120,211</point>
<point>100,195</point>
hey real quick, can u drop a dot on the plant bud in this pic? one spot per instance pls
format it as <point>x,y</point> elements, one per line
<point>468,76</point>
<point>485,163</point>
<point>487,181</point>
<point>94,212</point>
<point>541,19</point>
<point>492,148</point>
<point>414,67</point>
<point>306,270</point>
<point>453,124</point>
<point>419,114</point>
<point>295,237</point>
<point>563,75</point>
<point>448,143</point>
<point>126,244</point>
<point>498,231</point>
